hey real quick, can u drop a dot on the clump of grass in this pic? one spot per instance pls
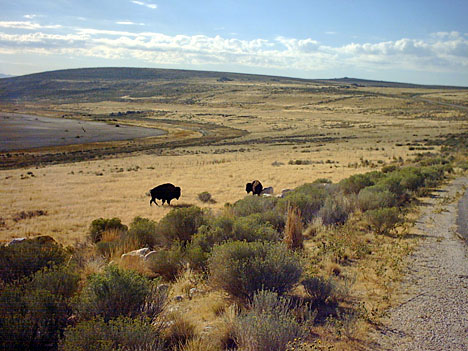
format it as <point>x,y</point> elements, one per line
<point>293,237</point>
<point>206,197</point>
<point>28,214</point>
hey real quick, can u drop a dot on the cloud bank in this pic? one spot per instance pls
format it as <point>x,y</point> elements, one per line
<point>440,52</point>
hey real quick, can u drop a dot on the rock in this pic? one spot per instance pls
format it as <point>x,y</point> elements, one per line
<point>267,195</point>
<point>193,292</point>
<point>178,298</point>
<point>283,193</point>
<point>162,288</point>
<point>16,241</point>
<point>150,254</point>
<point>269,190</point>
<point>138,253</point>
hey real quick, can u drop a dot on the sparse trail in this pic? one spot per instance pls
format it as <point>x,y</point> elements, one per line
<point>433,309</point>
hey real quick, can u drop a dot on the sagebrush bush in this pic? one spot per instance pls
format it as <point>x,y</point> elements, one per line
<point>321,290</point>
<point>167,263</point>
<point>374,197</point>
<point>27,257</point>
<point>228,228</point>
<point>336,209</point>
<point>113,293</point>
<point>355,183</point>
<point>59,280</point>
<point>31,318</point>
<point>206,197</point>
<point>143,230</point>
<point>265,208</point>
<point>243,268</point>
<point>267,325</point>
<point>98,226</point>
<point>308,198</point>
<point>181,223</point>
<point>383,220</point>
<point>118,334</point>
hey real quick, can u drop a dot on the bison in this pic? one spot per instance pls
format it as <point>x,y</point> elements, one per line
<point>255,187</point>
<point>165,192</point>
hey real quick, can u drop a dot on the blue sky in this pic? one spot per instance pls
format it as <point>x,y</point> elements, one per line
<point>409,41</point>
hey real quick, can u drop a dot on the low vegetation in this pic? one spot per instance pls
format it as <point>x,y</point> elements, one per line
<point>286,270</point>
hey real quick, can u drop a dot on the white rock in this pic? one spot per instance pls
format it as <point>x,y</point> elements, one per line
<point>269,190</point>
<point>139,253</point>
<point>16,241</point>
<point>150,254</point>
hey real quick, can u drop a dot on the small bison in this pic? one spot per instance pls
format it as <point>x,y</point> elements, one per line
<point>255,187</point>
<point>165,192</point>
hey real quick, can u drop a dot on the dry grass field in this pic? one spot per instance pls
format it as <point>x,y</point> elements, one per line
<point>222,132</point>
<point>298,131</point>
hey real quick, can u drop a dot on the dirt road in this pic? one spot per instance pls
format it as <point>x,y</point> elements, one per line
<point>433,309</point>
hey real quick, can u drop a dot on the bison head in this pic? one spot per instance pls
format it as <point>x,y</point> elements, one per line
<point>248,187</point>
<point>177,192</point>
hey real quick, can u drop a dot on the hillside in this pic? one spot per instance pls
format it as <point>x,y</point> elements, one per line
<point>99,84</point>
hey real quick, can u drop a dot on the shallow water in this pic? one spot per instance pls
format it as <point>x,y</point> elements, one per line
<point>19,131</point>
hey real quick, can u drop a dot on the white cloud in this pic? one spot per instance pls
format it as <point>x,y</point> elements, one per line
<point>130,23</point>
<point>26,25</point>
<point>148,5</point>
<point>439,52</point>
<point>29,16</point>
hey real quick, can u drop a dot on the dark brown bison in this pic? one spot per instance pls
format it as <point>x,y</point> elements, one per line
<point>165,192</point>
<point>255,187</point>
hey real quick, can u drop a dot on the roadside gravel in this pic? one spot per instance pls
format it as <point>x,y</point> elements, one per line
<point>433,309</point>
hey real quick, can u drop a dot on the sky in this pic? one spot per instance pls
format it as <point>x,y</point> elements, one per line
<point>414,41</point>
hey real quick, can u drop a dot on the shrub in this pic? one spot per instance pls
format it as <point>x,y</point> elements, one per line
<point>383,220</point>
<point>355,183</point>
<point>27,257</point>
<point>119,334</point>
<point>374,197</point>
<point>389,168</point>
<point>253,204</point>
<point>143,230</point>
<point>60,281</point>
<point>98,226</point>
<point>167,263</point>
<point>115,292</point>
<point>227,228</point>
<point>242,268</point>
<point>335,210</point>
<point>308,198</point>
<point>267,325</point>
<point>321,290</point>
<point>205,197</point>
<point>31,319</point>
<point>181,223</point>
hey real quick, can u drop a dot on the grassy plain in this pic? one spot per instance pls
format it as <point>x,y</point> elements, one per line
<point>291,132</point>
<point>223,133</point>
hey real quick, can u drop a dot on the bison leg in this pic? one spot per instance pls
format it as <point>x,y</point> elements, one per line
<point>169,202</point>
<point>153,200</point>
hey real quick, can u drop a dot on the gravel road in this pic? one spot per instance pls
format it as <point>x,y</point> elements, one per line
<point>433,309</point>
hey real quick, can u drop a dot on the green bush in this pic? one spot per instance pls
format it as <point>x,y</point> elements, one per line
<point>335,210</point>
<point>100,225</point>
<point>383,220</point>
<point>389,168</point>
<point>205,197</point>
<point>355,183</point>
<point>375,196</point>
<point>321,290</point>
<point>181,223</point>
<point>115,292</point>
<point>253,204</point>
<point>167,263</point>
<point>143,230</point>
<point>118,334</point>
<point>227,228</point>
<point>267,325</point>
<point>308,198</point>
<point>31,319</point>
<point>60,281</point>
<point>243,268</point>
<point>27,257</point>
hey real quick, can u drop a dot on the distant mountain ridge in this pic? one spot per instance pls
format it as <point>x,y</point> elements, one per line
<point>5,75</point>
<point>97,84</point>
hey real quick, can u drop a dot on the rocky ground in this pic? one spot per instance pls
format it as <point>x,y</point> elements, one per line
<point>433,309</point>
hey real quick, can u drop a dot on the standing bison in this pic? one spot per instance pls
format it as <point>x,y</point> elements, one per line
<point>255,187</point>
<point>165,192</point>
